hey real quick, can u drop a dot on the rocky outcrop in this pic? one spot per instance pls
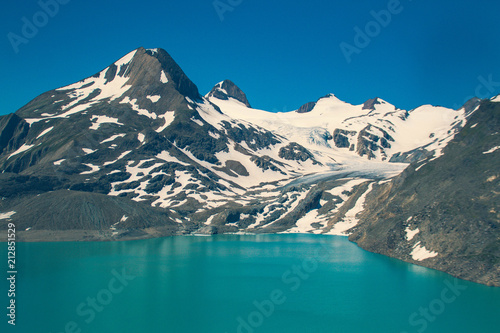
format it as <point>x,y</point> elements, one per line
<point>372,139</point>
<point>295,152</point>
<point>227,89</point>
<point>370,104</point>
<point>341,138</point>
<point>13,131</point>
<point>307,107</point>
<point>451,203</point>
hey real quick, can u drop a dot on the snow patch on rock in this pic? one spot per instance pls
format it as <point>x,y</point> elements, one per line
<point>420,253</point>
<point>7,215</point>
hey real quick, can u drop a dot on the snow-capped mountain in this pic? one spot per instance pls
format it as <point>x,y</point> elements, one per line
<point>140,130</point>
<point>376,129</point>
<point>135,151</point>
<point>143,103</point>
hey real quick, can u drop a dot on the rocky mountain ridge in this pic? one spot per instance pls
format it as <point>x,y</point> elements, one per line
<point>423,215</point>
<point>135,151</point>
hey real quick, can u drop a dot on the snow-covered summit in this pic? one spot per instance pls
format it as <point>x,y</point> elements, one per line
<point>375,129</point>
<point>227,89</point>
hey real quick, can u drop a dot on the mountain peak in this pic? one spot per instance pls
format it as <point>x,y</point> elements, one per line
<point>145,67</point>
<point>306,107</point>
<point>148,64</point>
<point>144,78</point>
<point>332,99</point>
<point>226,89</point>
<point>471,105</point>
<point>370,104</point>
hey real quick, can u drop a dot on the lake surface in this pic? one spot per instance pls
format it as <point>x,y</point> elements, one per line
<point>237,283</point>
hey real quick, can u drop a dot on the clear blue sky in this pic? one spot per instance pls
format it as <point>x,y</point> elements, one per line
<point>282,53</point>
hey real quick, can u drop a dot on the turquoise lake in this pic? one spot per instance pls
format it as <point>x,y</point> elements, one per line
<point>237,283</point>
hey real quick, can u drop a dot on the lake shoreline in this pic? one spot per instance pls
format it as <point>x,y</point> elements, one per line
<point>48,236</point>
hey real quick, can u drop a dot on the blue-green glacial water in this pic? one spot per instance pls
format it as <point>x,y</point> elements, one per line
<point>237,283</point>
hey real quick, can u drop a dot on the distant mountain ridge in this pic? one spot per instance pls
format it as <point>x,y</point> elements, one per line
<point>135,151</point>
<point>375,130</point>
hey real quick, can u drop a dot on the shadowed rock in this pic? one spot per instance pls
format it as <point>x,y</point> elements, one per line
<point>227,89</point>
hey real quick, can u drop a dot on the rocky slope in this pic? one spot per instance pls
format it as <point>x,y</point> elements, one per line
<point>135,151</point>
<point>444,212</point>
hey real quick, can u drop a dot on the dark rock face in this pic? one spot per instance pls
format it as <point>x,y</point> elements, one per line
<point>237,167</point>
<point>13,131</point>
<point>13,185</point>
<point>233,168</point>
<point>471,105</point>
<point>72,210</point>
<point>157,183</point>
<point>411,156</point>
<point>254,138</point>
<point>266,163</point>
<point>111,73</point>
<point>368,143</point>
<point>189,135</point>
<point>227,89</point>
<point>453,201</point>
<point>341,138</point>
<point>182,83</point>
<point>296,152</point>
<point>370,104</point>
<point>307,107</point>
<point>282,222</point>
